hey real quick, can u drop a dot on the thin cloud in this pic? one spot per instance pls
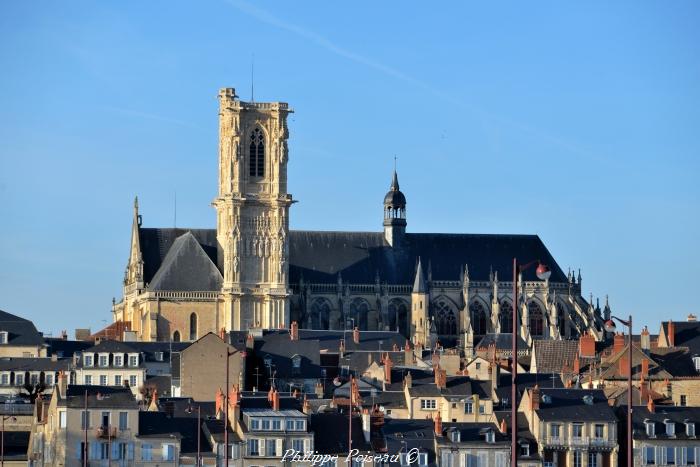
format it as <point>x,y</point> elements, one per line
<point>149,116</point>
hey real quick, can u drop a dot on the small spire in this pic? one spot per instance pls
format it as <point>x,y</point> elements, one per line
<point>419,282</point>
<point>395,182</point>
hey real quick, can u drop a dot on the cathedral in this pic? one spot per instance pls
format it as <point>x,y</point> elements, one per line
<point>253,272</point>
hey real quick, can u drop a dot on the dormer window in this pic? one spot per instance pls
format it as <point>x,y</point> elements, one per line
<point>455,436</point>
<point>103,360</point>
<point>159,356</point>
<point>651,432</point>
<point>670,428</point>
<point>133,360</point>
<point>490,436</point>
<point>296,364</point>
<point>87,360</point>
<point>588,399</point>
<point>118,360</point>
<point>696,361</point>
<point>690,429</point>
<point>524,449</point>
<point>546,399</point>
<point>3,337</point>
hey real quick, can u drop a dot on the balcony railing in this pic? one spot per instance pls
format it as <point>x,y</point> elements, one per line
<point>583,441</point>
<point>106,432</point>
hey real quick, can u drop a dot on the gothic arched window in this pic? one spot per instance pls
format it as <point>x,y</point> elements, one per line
<point>320,314</point>
<point>359,309</point>
<point>506,317</point>
<point>176,336</point>
<point>445,318</point>
<point>536,319</point>
<point>193,327</point>
<point>478,317</point>
<point>398,316</point>
<point>257,153</point>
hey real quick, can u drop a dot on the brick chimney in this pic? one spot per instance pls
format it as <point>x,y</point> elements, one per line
<point>306,408</point>
<point>341,348</point>
<point>504,426</point>
<point>219,403</point>
<point>249,342</point>
<point>671,334</point>
<point>408,380</point>
<point>586,346</point>
<point>623,365</point>
<point>294,331</point>
<point>645,368</point>
<point>270,394</point>
<point>276,401</point>
<point>535,398</point>
<point>645,340</point>
<point>388,365</point>
<point>650,405</point>
<point>366,426</point>
<point>692,318</point>
<point>222,334</point>
<point>438,424</point>
<point>577,365</point>
<point>356,335</point>
<point>440,378</point>
<point>407,354</point>
<point>62,383</point>
<point>618,342</point>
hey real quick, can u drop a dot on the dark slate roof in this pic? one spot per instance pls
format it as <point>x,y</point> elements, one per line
<point>369,340</point>
<point>331,433</point>
<point>524,434</point>
<point>258,400</point>
<point>359,256</point>
<point>64,348</point>
<point>401,435</point>
<point>471,433</point>
<point>524,381</point>
<point>109,346</point>
<point>186,407</point>
<point>159,424</point>
<point>423,385</point>
<point>99,397</point>
<point>20,331</point>
<point>419,281</point>
<point>34,364</point>
<point>675,414</point>
<point>162,383</point>
<point>319,256</point>
<point>676,361</point>
<point>216,429</point>
<point>687,334</point>
<point>280,349</point>
<point>187,266</point>
<point>149,349</point>
<point>155,244</point>
<point>568,404</point>
<point>503,341</point>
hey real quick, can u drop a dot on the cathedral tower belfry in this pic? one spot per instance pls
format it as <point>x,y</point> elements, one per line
<point>394,213</point>
<point>252,212</point>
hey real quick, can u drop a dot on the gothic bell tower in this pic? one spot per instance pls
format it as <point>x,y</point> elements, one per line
<point>252,213</point>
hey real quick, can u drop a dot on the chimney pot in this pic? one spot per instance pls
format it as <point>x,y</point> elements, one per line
<point>671,334</point>
<point>587,346</point>
<point>438,424</point>
<point>645,368</point>
<point>294,331</point>
<point>356,335</point>
<point>650,405</point>
<point>535,398</point>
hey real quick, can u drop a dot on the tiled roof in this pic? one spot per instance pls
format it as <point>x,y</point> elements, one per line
<point>555,356</point>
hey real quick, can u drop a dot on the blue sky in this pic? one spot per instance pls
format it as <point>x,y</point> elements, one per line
<point>578,122</point>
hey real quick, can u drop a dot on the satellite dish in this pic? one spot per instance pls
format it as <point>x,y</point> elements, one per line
<point>336,381</point>
<point>381,408</point>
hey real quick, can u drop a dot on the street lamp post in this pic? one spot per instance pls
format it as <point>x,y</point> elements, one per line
<point>610,327</point>
<point>543,273</point>
<point>226,399</point>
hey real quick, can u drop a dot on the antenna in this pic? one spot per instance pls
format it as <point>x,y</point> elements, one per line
<point>252,78</point>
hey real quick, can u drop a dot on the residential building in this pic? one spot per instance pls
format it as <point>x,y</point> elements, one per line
<point>111,363</point>
<point>573,427</point>
<point>664,435</point>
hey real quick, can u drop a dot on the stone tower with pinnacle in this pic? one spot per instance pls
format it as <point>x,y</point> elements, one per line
<point>252,212</point>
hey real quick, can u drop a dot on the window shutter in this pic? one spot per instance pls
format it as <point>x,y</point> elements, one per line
<point>307,445</point>
<point>261,447</point>
<point>483,459</point>
<point>279,447</point>
<point>79,450</point>
<point>115,451</point>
